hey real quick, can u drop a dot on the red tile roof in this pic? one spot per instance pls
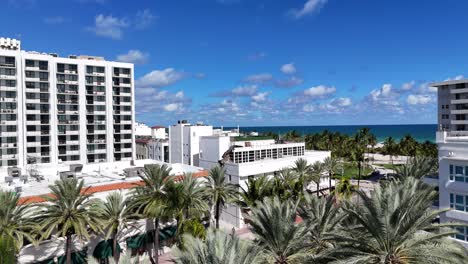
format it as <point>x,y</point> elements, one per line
<point>103,188</point>
<point>156,127</point>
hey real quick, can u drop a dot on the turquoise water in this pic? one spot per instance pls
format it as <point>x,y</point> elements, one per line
<point>419,132</point>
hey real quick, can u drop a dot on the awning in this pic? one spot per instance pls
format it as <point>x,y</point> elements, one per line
<point>79,257</point>
<point>139,241</point>
<point>104,250</point>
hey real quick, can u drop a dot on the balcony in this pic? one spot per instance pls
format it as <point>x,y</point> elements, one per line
<point>67,92</point>
<point>69,142</point>
<point>121,75</point>
<point>73,102</point>
<point>8,145</point>
<point>459,122</point>
<point>7,157</point>
<point>8,122</point>
<point>96,151</point>
<point>7,88</point>
<point>8,111</point>
<point>69,132</point>
<point>95,93</point>
<point>97,132</point>
<point>458,91</point>
<point>459,101</point>
<point>7,77</point>
<point>67,112</point>
<point>95,112</point>
<point>460,111</point>
<point>68,122</point>
<point>7,99</point>
<point>72,152</point>
<point>126,140</point>
<point>95,83</point>
<point>33,144</point>
<point>97,141</point>
<point>9,134</point>
<point>96,73</point>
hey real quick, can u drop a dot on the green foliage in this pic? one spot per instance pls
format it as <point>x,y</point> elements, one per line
<point>395,225</point>
<point>344,189</point>
<point>7,250</point>
<point>418,167</point>
<point>16,223</point>
<point>273,222</point>
<point>217,248</point>
<point>257,190</point>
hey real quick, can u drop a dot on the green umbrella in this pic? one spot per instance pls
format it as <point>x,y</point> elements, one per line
<point>103,249</point>
<point>79,257</point>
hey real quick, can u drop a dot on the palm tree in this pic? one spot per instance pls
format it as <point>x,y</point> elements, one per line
<point>418,167</point>
<point>344,189</point>
<point>117,216</point>
<point>358,150</point>
<point>323,220</point>
<point>256,190</point>
<point>390,148</point>
<point>218,247</point>
<point>317,170</point>
<point>395,225</point>
<point>69,211</point>
<point>192,197</point>
<point>288,185</point>
<point>16,225</point>
<point>220,191</point>
<point>273,222</point>
<point>301,168</point>
<point>151,199</point>
<point>331,165</point>
<point>408,146</point>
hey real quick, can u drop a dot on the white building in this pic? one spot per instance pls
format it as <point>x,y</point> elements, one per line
<point>452,140</point>
<point>245,159</point>
<point>184,141</point>
<point>143,130</point>
<point>56,110</point>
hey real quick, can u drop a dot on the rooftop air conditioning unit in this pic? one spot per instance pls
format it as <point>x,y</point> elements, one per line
<point>451,154</point>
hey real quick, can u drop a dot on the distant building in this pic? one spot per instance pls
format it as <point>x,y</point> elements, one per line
<point>252,157</point>
<point>152,148</point>
<point>184,141</point>
<point>452,140</point>
<point>142,130</point>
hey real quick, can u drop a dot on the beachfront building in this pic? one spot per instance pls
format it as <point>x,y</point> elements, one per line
<point>56,110</point>
<point>143,130</point>
<point>184,142</point>
<point>452,140</point>
<point>246,157</point>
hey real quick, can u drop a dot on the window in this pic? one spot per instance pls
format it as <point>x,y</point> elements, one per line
<point>459,202</point>
<point>458,173</point>
<point>462,233</point>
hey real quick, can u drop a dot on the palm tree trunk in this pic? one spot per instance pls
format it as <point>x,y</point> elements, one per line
<point>115,251</point>
<point>318,187</point>
<point>329,182</point>
<point>68,249</point>
<point>359,174</point>
<point>156,241</point>
<point>217,213</point>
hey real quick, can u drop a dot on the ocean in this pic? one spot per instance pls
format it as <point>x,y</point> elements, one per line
<point>419,132</point>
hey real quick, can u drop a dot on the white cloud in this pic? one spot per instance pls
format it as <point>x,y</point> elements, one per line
<point>383,93</point>
<point>288,68</point>
<point>308,108</point>
<point>172,107</point>
<point>309,7</point>
<point>259,78</point>
<point>260,97</point>
<point>246,90</point>
<point>343,101</point>
<point>408,86</point>
<point>290,82</point>
<point>144,18</point>
<point>418,99</point>
<point>456,78</point>
<point>160,78</point>
<point>134,56</point>
<point>109,26</point>
<point>179,95</point>
<point>319,91</point>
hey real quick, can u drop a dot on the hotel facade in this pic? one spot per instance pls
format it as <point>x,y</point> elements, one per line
<point>57,110</point>
<point>452,140</point>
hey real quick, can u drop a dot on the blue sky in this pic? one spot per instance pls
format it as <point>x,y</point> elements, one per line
<point>265,62</point>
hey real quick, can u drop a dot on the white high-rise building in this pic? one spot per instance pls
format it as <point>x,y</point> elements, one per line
<point>184,142</point>
<point>452,140</point>
<point>56,110</point>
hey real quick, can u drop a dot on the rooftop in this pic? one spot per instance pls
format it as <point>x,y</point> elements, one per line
<point>100,177</point>
<point>450,82</point>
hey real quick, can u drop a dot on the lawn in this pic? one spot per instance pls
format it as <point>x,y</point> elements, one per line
<point>389,166</point>
<point>351,170</point>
